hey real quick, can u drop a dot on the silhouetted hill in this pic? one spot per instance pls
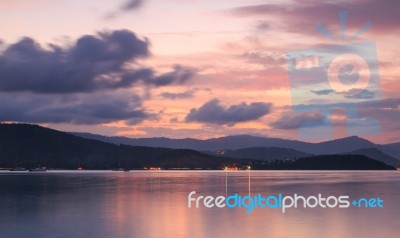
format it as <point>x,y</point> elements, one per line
<point>378,155</point>
<point>263,153</point>
<point>228,142</point>
<point>340,162</point>
<point>31,145</point>
<point>329,162</point>
<point>339,146</point>
<point>342,145</point>
<point>391,149</point>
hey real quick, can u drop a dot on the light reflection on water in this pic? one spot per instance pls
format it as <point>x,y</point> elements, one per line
<point>154,204</point>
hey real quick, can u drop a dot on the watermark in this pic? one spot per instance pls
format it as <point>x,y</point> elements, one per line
<point>343,75</point>
<point>279,201</point>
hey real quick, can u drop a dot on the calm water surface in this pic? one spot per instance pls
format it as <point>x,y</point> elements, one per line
<point>154,204</point>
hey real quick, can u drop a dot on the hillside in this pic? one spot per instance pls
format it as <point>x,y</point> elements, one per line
<point>264,153</point>
<point>328,162</point>
<point>391,149</point>
<point>338,146</point>
<point>31,145</point>
<point>213,144</point>
<point>378,155</point>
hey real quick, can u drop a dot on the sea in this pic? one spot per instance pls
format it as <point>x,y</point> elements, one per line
<point>155,204</point>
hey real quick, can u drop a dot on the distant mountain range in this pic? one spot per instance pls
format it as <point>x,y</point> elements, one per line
<point>276,153</point>
<point>389,153</point>
<point>377,155</point>
<point>29,146</point>
<point>263,153</point>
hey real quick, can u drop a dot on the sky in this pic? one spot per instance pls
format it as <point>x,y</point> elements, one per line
<point>202,68</point>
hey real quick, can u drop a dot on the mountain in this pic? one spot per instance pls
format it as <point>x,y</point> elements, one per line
<point>228,142</point>
<point>263,153</point>
<point>391,149</point>
<point>378,155</point>
<point>338,146</point>
<point>30,145</point>
<point>341,145</point>
<point>333,162</point>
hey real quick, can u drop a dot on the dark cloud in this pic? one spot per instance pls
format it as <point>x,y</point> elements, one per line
<point>182,95</point>
<point>350,94</point>
<point>214,113</point>
<point>303,15</point>
<point>131,5</point>
<point>178,76</point>
<point>76,109</point>
<point>359,94</point>
<point>127,6</point>
<point>323,92</point>
<point>295,120</point>
<point>94,62</point>
<point>92,81</point>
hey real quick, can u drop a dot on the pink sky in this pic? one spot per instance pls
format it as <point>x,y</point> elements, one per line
<point>219,67</point>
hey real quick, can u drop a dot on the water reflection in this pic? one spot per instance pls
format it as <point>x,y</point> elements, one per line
<point>154,204</point>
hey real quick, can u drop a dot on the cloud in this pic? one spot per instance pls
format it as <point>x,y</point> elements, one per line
<point>214,113</point>
<point>323,92</point>
<point>386,111</point>
<point>303,15</point>
<point>294,120</point>
<point>178,76</point>
<point>182,95</point>
<point>75,109</point>
<point>359,94</point>
<point>266,59</point>
<point>174,120</point>
<point>263,26</point>
<point>129,5</point>
<point>93,62</point>
<point>350,94</point>
<point>93,81</point>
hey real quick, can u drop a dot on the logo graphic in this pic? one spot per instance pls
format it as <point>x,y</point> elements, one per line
<point>342,76</point>
<point>280,202</point>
